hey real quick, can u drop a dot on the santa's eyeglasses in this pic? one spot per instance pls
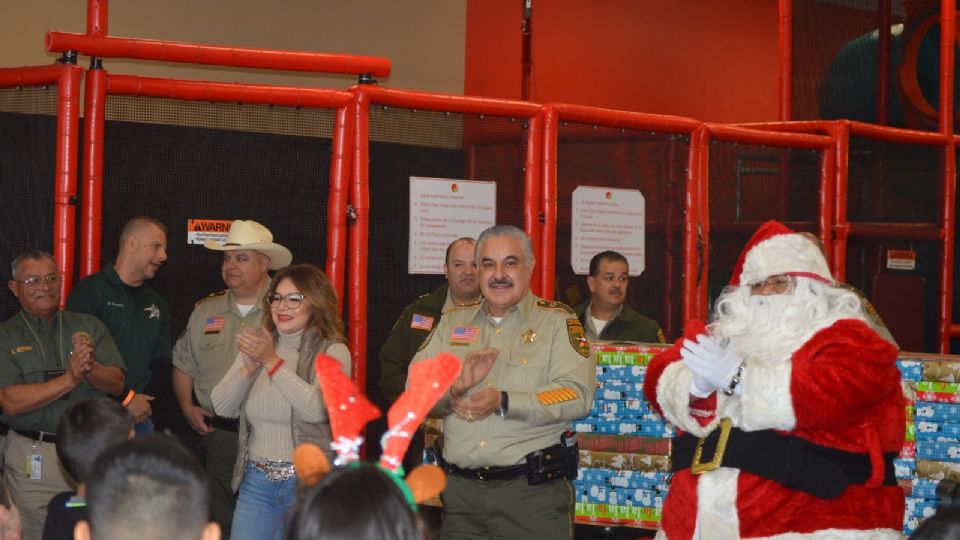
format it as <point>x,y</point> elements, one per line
<point>777,284</point>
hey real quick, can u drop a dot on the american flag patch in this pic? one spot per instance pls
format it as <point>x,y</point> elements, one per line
<point>213,325</point>
<point>463,335</point>
<point>421,322</point>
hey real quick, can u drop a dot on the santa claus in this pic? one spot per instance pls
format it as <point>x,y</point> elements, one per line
<point>789,405</point>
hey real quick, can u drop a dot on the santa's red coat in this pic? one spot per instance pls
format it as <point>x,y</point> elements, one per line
<point>840,389</point>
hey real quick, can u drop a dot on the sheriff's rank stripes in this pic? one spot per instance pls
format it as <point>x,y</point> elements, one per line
<point>557,395</point>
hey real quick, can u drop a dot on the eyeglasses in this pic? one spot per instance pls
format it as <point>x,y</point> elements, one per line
<point>778,284</point>
<point>35,281</point>
<point>293,300</point>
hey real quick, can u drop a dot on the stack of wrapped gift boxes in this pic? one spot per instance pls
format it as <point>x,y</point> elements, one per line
<point>932,450</point>
<point>625,446</point>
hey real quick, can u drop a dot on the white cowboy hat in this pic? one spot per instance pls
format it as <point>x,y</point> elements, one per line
<point>248,234</point>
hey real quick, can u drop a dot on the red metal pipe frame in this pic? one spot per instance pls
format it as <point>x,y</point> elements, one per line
<point>548,257</point>
<point>828,173</point>
<point>196,53</point>
<point>948,17</point>
<point>582,114</point>
<point>785,71</point>
<point>257,94</point>
<point>841,227</point>
<point>31,75</point>
<point>429,101</point>
<point>883,61</point>
<point>723,132</point>
<point>91,224</point>
<point>531,192</point>
<point>696,228</point>
<point>97,17</point>
<point>65,185</point>
<point>359,235</point>
<point>340,171</point>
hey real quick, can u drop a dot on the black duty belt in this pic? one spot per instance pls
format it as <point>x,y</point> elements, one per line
<point>40,436</point>
<point>228,424</point>
<point>487,473</point>
<point>789,460</point>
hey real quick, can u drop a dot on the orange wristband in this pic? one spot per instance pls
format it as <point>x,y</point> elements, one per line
<point>276,367</point>
<point>129,398</point>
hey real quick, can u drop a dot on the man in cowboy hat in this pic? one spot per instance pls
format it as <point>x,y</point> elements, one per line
<point>208,346</point>
<point>790,405</point>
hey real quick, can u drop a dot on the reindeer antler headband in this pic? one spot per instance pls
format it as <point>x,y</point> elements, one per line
<point>349,411</point>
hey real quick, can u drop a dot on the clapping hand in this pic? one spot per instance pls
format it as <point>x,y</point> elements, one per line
<point>475,368</point>
<point>713,365</point>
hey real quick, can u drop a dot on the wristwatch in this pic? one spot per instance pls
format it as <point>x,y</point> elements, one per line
<point>504,405</point>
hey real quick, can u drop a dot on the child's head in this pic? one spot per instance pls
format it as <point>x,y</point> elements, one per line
<point>88,428</point>
<point>355,502</point>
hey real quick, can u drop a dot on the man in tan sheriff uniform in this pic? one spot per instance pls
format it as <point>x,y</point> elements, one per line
<point>526,375</point>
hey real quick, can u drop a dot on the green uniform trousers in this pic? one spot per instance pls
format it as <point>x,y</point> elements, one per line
<point>507,509</point>
<point>219,455</point>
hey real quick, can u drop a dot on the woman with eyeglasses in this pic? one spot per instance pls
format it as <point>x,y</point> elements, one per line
<point>272,387</point>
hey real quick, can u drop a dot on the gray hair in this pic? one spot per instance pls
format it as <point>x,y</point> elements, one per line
<point>32,255</point>
<point>507,230</point>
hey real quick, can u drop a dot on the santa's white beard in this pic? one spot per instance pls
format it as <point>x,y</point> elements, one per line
<point>770,328</point>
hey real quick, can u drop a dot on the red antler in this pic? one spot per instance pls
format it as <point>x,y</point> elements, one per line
<point>348,409</point>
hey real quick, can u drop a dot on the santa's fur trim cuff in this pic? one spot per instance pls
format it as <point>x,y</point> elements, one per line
<point>766,401</point>
<point>674,399</point>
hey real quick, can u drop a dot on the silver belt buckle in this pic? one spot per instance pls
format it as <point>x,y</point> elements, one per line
<point>276,471</point>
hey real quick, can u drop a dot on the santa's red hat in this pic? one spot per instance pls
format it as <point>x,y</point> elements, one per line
<point>776,249</point>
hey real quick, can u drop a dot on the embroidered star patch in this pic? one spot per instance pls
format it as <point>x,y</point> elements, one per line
<point>153,310</point>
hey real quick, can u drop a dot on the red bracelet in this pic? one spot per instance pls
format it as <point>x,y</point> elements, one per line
<point>276,367</point>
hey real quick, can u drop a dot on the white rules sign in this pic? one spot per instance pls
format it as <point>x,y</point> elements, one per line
<point>442,210</point>
<point>607,219</point>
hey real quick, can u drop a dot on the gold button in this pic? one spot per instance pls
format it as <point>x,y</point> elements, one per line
<point>489,382</point>
<point>499,330</point>
<point>483,443</point>
<point>524,361</point>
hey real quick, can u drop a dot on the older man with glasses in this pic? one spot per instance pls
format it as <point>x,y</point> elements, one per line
<point>49,359</point>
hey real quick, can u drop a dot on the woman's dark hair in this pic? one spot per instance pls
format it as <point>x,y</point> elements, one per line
<point>355,503</point>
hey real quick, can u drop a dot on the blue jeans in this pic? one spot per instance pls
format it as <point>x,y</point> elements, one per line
<point>262,506</point>
<point>144,428</point>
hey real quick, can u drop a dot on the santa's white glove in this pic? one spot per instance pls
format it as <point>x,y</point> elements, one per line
<point>712,364</point>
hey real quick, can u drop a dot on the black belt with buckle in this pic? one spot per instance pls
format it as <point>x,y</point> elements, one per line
<point>39,436</point>
<point>787,459</point>
<point>228,424</point>
<point>487,473</point>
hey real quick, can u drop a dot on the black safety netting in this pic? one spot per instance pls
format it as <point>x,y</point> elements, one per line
<point>836,59</point>
<point>655,164</point>
<point>28,152</point>
<point>177,161</point>
<point>749,185</point>
<point>405,143</point>
<point>897,183</point>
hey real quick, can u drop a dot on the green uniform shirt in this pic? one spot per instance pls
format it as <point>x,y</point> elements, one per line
<point>544,365</point>
<point>407,335</point>
<point>33,351</point>
<point>137,317</point>
<point>627,325</point>
<point>208,345</point>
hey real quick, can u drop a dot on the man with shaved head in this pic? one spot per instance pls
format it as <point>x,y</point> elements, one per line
<point>137,317</point>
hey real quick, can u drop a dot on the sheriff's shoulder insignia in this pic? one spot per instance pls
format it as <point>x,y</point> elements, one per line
<point>556,395</point>
<point>660,336</point>
<point>210,296</point>
<point>578,339</point>
<point>549,304</point>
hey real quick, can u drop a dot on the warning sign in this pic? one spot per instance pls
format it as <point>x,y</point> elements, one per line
<point>901,259</point>
<point>199,230</point>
